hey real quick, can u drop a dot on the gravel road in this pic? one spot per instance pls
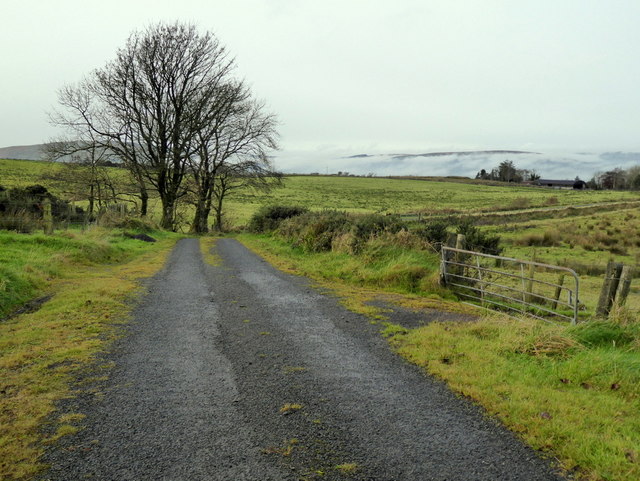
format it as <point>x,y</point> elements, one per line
<point>241,372</point>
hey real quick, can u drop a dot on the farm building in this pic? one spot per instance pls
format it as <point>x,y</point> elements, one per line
<point>562,184</point>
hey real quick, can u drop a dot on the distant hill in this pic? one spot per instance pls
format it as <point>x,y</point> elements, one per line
<point>23,152</point>
<point>472,153</point>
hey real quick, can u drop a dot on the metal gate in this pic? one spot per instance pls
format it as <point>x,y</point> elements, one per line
<point>543,291</point>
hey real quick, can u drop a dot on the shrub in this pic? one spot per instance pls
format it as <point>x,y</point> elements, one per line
<point>343,243</point>
<point>407,240</point>
<point>269,217</point>
<point>315,231</point>
<point>112,218</point>
<point>371,225</point>
<point>478,240</point>
<point>435,232</point>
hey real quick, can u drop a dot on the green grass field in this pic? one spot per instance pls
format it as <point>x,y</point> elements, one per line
<point>584,242</point>
<point>366,195</point>
<point>401,196</point>
<point>20,173</point>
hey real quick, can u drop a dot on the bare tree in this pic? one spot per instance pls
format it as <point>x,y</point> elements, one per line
<point>83,175</point>
<point>254,175</point>
<point>235,145</point>
<point>153,105</point>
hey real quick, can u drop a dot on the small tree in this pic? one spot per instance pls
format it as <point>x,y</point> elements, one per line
<point>83,175</point>
<point>251,174</point>
<point>612,179</point>
<point>483,175</point>
<point>507,172</point>
<point>232,152</point>
<point>633,177</point>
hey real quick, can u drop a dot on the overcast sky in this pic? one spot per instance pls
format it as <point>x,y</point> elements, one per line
<point>358,76</point>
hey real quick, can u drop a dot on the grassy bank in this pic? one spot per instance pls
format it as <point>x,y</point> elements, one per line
<point>29,263</point>
<point>91,277</point>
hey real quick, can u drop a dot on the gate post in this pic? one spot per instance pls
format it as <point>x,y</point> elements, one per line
<point>609,288</point>
<point>47,217</point>
<point>624,285</point>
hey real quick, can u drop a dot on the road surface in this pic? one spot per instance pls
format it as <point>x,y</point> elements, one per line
<point>241,372</point>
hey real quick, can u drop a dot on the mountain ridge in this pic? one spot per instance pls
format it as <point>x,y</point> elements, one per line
<point>23,152</point>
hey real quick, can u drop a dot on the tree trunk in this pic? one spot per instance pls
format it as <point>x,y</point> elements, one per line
<point>91,200</point>
<point>168,214</point>
<point>218,210</point>
<point>201,218</point>
<point>144,202</point>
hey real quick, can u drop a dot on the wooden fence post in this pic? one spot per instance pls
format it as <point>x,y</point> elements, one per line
<point>446,257</point>
<point>624,285</point>
<point>47,217</point>
<point>461,243</point>
<point>556,294</point>
<point>528,297</point>
<point>609,288</point>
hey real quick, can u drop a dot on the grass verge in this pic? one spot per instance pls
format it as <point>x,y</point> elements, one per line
<point>570,392</point>
<point>406,278</point>
<point>93,277</point>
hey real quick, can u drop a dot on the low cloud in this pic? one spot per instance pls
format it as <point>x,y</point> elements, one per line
<point>557,165</point>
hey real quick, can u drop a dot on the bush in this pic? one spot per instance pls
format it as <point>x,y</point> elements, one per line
<point>322,231</point>
<point>315,231</point>
<point>477,240</point>
<point>114,219</point>
<point>269,217</point>
<point>435,233</point>
<point>344,243</point>
<point>370,225</point>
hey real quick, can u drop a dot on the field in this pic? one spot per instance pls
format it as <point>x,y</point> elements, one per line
<point>568,391</point>
<point>382,195</point>
<point>406,196</point>
<point>577,229</point>
<point>19,173</point>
